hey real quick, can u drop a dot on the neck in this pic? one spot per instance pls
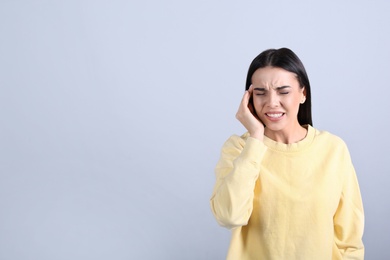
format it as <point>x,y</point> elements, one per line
<point>287,137</point>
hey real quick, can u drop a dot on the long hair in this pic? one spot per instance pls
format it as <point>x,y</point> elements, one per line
<point>286,59</point>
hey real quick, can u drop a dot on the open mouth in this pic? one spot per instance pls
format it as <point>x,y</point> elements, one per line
<point>274,115</point>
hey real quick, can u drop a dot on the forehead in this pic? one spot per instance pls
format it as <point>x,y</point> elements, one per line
<point>274,77</point>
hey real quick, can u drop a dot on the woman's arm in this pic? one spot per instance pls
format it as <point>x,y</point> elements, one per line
<point>349,217</point>
<point>236,175</point>
<point>238,169</point>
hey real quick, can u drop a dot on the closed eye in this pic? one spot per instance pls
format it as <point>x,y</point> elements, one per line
<point>283,90</point>
<point>259,91</point>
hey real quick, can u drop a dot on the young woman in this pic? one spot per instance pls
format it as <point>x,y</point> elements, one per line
<point>287,190</point>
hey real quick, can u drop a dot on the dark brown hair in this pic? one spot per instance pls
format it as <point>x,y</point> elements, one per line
<point>286,59</point>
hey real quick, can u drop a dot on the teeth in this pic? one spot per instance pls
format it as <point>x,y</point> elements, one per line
<point>275,115</point>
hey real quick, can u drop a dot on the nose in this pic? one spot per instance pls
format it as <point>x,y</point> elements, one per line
<point>273,100</point>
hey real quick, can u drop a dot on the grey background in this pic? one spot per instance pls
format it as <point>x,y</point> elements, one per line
<point>113,114</point>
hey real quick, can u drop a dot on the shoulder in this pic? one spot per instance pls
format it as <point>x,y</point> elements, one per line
<point>235,144</point>
<point>329,140</point>
<point>236,141</point>
<point>325,136</point>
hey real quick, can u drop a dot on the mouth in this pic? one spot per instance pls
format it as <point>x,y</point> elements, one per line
<point>274,116</point>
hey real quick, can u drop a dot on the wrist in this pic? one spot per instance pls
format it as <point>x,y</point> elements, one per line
<point>257,135</point>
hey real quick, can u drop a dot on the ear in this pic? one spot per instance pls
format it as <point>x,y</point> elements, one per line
<point>303,95</point>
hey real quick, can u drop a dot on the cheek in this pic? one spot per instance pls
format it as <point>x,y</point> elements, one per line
<point>294,104</point>
<point>258,106</point>
<point>291,99</point>
<point>256,103</point>
<point>290,102</point>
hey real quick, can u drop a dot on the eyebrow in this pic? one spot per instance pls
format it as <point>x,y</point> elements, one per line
<point>282,87</point>
<point>278,88</point>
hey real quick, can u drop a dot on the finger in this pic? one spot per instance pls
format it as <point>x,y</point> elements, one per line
<point>245,98</point>
<point>250,89</point>
<point>250,92</point>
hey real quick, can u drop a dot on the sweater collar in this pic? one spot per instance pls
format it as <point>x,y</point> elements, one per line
<point>294,147</point>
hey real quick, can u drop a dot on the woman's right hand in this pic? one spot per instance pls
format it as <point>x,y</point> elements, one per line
<point>247,116</point>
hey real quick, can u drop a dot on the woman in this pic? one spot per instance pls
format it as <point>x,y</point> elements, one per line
<point>287,190</point>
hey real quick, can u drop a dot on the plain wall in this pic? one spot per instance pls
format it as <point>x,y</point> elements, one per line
<point>113,114</point>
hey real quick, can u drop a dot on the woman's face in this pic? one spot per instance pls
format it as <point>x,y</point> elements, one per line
<point>276,98</point>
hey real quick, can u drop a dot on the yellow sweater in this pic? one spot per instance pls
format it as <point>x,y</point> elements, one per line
<point>296,201</point>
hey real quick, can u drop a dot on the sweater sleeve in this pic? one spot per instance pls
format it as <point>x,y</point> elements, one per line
<point>236,175</point>
<point>349,217</point>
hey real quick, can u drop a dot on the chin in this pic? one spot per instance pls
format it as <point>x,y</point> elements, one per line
<point>275,127</point>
